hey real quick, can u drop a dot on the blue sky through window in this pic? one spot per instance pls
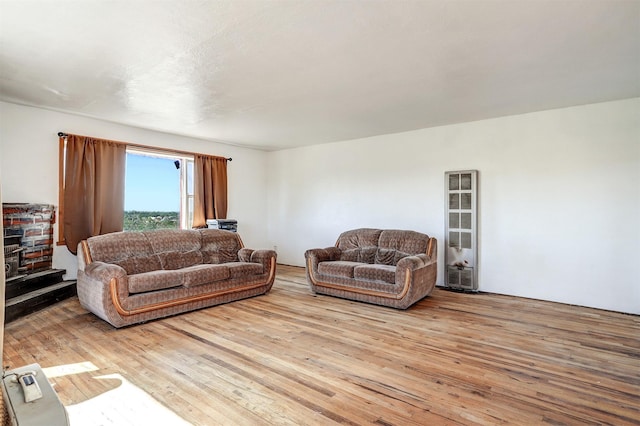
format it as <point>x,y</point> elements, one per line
<point>151,184</point>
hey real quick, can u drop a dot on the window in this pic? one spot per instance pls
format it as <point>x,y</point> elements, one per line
<point>158,190</point>
<point>152,200</point>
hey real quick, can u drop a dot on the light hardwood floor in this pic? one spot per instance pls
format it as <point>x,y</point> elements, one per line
<point>291,357</point>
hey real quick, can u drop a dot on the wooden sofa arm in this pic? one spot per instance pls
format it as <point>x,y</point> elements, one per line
<point>432,248</point>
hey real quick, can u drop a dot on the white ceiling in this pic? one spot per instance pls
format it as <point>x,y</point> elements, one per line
<point>280,74</point>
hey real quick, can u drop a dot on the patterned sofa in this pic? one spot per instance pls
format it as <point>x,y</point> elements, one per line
<point>386,267</point>
<point>130,277</point>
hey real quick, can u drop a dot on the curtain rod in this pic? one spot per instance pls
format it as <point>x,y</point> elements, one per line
<point>64,135</point>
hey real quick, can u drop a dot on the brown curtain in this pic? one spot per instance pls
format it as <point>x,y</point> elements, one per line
<point>93,188</point>
<point>210,189</point>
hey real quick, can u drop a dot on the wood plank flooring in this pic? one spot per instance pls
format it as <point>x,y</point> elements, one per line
<point>293,358</point>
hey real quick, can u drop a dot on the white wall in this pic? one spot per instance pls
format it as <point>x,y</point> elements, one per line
<point>559,198</point>
<point>29,166</point>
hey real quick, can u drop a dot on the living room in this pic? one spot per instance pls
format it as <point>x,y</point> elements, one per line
<point>558,200</point>
<point>559,186</point>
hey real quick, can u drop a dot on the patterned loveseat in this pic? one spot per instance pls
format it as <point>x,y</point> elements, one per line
<point>130,277</point>
<point>387,267</point>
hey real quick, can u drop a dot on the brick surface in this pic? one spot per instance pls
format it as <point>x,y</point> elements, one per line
<point>33,223</point>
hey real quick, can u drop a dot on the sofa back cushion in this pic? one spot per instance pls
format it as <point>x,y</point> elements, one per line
<point>382,247</point>
<point>395,244</point>
<point>361,255</point>
<point>359,245</point>
<point>180,240</point>
<point>139,264</point>
<point>165,249</point>
<point>130,250</point>
<point>219,246</point>
<point>171,260</point>
<point>358,238</point>
<point>176,248</point>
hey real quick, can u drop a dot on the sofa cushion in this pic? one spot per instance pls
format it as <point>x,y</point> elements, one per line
<point>384,273</point>
<point>411,242</point>
<point>173,240</point>
<point>338,268</point>
<point>244,269</point>
<point>389,256</point>
<point>139,264</point>
<point>244,254</point>
<point>350,255</point>
<point>399,255</point>
<point>385,256</point>
<point>204,274</point>
<point>221,256</point>
<point>356,238</point>
<point>130,250</point>
<point>154,280</point>
<point>177,260</point>
<point>362,255</point>
<point>219,246</point>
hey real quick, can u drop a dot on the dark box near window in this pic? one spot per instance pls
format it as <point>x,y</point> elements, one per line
<point>226,224</point>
